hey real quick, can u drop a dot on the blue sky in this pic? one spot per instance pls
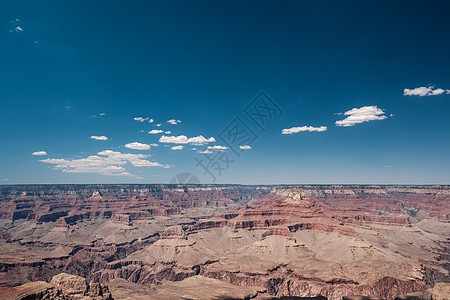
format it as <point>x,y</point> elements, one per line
<point>362,89</point>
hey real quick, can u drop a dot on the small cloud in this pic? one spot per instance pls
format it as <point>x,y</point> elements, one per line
<point>361,115</point>
<point>154,145</point>
<point>18,29</point>
<point>39,153</point>
<point>182,139</point>
<point>177,147</point>
<point>245,147</point>
<point>424,91</point>
<point>140,119</point>
<point>157,125</point>
<point>102,114</point>
<point>5,179</point>
<point>99,137</point>
<point>217,148</point>
<point>137,146</point>
<point>155,131</point>
<point>194,149</point>
<point>173,121</point>
<point>205,151</point>
<point>302,129</point>
<point>151,121</point>
<point>387,166</point>
<point>168,132</point>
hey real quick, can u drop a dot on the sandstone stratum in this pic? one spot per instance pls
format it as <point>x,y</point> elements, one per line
<point>224,242</point>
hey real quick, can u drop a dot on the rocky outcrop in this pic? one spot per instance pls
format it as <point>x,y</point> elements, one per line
<point>62,287</point>
<point>122,219</point>
<point>77,288</point>
<point>32,291</point>
<point>174,232</point>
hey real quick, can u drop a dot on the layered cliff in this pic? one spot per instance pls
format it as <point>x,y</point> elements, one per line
<point>306,241</point>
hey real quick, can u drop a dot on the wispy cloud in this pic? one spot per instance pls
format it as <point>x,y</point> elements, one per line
<point>205,151</point>
<point>177,147</point>
<point>158,125</point>
<point>99,137</point>
<point>217,148</point>
<point>173,121</point>
<point>106,162</point>
<point>39,153</point>
<point>99,115</point>
<point>137,146</point>
<point>155,131</point>
<point>361,115</point>
<point>142,119</point>
<point>182,139</point>
<point>5,179</point>
<point>245,147</point>
<point>424,91</point>
<point>15,26</point>
<point>302,129</point>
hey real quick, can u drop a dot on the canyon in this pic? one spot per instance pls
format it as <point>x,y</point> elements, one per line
<point>224,241</point>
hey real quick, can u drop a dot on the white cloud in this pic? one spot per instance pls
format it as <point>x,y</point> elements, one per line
<point>200,140</point>
<point>5,179</point>
<point>39,153</point>
<point>177,147</point>
<point>173,121</point>
<point>18,29</point>
<point>99,115</point>
<point>168,132</point>
<point>151,121</point>
<point>137,146</point>
<point>425,91</point>
<point>106,162</point>
<point>158,125</point>
<point>303,128</point>
<point>99,137</point>
<point>205,151</point>
<point>155,131</point>
<point>361,115</point>
<point>154,145</point>
<point>141,119</point>
<point>182,139</point>
<point>245,147</point>
<point>217,148</point>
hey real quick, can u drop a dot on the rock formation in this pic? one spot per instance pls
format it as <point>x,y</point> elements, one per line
<point>63,286</point>
<point>271,241</point>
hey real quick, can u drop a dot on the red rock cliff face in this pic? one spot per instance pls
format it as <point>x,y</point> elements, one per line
<point>49,203</point>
